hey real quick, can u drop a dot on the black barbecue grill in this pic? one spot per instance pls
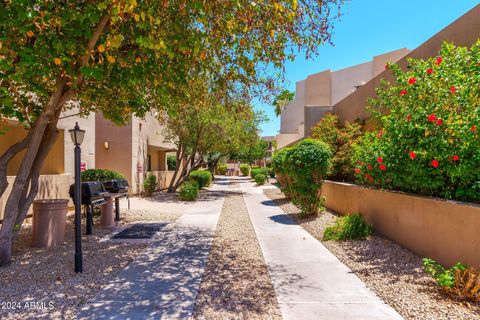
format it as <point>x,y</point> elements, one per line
<point>120,188</point>
<point>93,193</point>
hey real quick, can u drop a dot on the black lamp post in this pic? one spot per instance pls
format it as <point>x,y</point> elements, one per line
<point>77,136</point>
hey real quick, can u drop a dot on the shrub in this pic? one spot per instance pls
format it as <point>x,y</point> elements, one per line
<point>460,281</point>
<point>429,123</point>
<point>171,162</point>
<point>100,175</point>
<point>245,169</point>
<point>189,190</point>
<point>341,141</point>
<point>351,226</point>
<point>149,185</point>
<point>260,179</point>
<point>256,171</point>
<point>305,166</point>
<point>203,177</point>
<point>278,167</point>
<point>222,169</point>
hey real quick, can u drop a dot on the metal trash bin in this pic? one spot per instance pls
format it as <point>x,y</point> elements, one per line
<point>49,219</point>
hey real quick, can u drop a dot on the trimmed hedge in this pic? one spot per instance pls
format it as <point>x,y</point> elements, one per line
<point>264,171</point>
<point>222,170</point>
<point>245,169</point>
<point>100,175</point>
<point>189,190</point>
<point>203,177</point>
<point>260,179</point>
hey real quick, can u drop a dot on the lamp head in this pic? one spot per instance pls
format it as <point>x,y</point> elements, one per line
<point>77,135</point>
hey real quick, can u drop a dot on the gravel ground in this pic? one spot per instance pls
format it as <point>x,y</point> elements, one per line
<point>46,275</point>
<point>236,283</point>
<point>395,274</point>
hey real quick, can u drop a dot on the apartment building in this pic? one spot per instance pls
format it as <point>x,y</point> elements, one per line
<point>345,92</point>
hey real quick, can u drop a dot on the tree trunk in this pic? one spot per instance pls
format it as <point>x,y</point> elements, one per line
<point>179,156</point>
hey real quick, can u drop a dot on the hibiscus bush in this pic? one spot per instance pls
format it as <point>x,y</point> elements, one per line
<point>428,141</point>
<point>305,166</point>
<point>341,141</point>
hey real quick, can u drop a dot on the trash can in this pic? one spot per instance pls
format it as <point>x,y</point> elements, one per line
<point>49,219</point>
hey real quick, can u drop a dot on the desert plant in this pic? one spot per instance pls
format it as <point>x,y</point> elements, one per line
<point>306,165</point>
<point>245,169</point>
<point>222,169</point>
<point>100,175</point>
<point>203,177</point>
<point>171,162</point>
<point>352,226</point>
<point>189,190</point>
<point>460,281</point>
<point>429,120</point>
<point>260,179</point>
<point>149,185</point>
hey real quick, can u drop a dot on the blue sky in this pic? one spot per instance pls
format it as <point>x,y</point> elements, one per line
<point>368,28</point>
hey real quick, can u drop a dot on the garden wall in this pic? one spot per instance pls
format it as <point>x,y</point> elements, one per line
<point>446,231</point>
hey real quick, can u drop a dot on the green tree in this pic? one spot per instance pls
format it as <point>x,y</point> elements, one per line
<point>123,56</point>
<point>282,100</point>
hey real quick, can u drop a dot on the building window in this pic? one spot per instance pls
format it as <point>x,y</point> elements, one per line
<point>149,162</point>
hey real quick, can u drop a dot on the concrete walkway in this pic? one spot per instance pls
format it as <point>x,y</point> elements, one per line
<point>310,282</point>
<point>163,282</point>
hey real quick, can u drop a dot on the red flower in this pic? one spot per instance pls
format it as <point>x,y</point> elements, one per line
<point>369,167</point>
<point>473,128</point>
<point>439,122</point>
<point>379,159</point>
<point>382,167</point>
<point>357,170</point>
<point>439,60</point>
<point>432,118</point>
<point>409,118</point>
<point>412,80</point>
<point>435,163</point>
<point>403,92</point>
<point>429,71</point>
<point>456,158</point>
<point>453,89</point>
<point>387,67</point>
<point>370,178</point>
<point>412,155</point>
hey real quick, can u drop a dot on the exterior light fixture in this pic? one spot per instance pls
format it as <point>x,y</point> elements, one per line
<point>77,136</point>
<point>106,145</point>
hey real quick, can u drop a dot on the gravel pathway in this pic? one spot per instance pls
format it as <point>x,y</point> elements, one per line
<point>236,283</point>
<point>395,274</point>
<point>45,276</point>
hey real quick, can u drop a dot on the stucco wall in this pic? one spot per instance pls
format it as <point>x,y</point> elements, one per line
<point>318,89</point>
<point>293,115</point>
<point>51,187</point>
<point>345,80</point>
<point>163,178</point>
<point>445,231</point>
<point>465,31</point>
<point>313,115</point>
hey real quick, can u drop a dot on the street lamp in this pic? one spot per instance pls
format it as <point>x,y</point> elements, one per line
<point>77,136</point>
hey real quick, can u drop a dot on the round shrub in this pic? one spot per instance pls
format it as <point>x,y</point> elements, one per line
<point>189,190</point>
<point>429,122</point>
<point>306,165</point>
<point>278,167</point>
<point>256,171</point>
<point>100,175</point>
<point>149,185</point>
<point>203,177</point>
<point>260,179</point>
<point>245,169</point>
<point>222,170</point>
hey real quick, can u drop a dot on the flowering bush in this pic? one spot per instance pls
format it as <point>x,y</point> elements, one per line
<point>305,166</point>
<point>429,141</point>
<point>341,141</point>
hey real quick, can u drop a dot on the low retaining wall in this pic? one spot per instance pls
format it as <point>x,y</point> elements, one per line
<point>163,178</point>
<point>446,231</point>
<point>53,186</point>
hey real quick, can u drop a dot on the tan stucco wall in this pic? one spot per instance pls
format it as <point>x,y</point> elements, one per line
<point>445,231</point>
<point>292,116</point>
<point>88,144</point>
<point>381,60</point>
<point>318,89</point>
<point>118,156</point>
<point>286,139</point>
<point>163,178</point>
<point>465,31</point>
<point>345,80</point>
<point>51,187</point>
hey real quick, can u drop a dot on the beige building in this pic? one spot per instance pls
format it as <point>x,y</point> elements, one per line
<point>319,92</point>
<point>345,92</point>
<point>135,150</point>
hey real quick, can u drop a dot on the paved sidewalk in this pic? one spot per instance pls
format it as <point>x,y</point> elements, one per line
<point>163,282</point>
<point>310,282</point>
